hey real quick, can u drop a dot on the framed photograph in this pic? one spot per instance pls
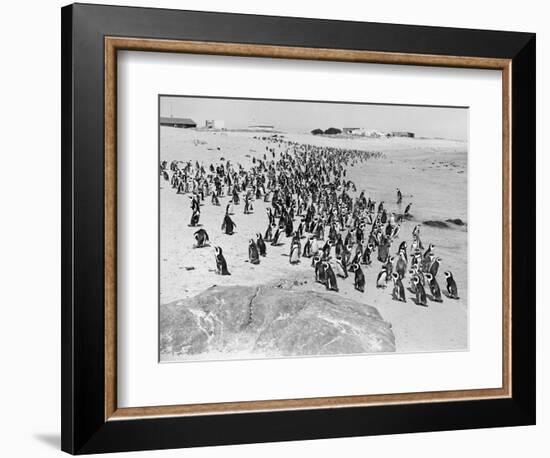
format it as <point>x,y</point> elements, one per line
<point>284,228</point>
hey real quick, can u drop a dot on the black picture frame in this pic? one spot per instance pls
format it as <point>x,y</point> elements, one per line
<point>84,428</point>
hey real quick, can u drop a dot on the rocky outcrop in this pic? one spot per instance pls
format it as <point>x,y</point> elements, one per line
<point>444,224</point>
<point>438,224</point>
<point>456,221</point>
<point>237,321</point>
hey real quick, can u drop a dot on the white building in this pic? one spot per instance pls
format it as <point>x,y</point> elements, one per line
<point>214,124</point>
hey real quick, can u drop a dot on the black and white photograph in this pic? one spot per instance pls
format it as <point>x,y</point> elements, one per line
<point>275,229</point>
<point>293,228</point>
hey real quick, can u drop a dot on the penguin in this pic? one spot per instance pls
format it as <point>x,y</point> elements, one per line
<point>403,248</point>
<point>261,245</point>
<point>289,227</point>
<point>332,234</point>
<point>253,255</point>
<point>359,233</point>
<point>451,285</point>
<point>201,237</point>
<point>382,279</point>
<point>358,255</point>
<point>270,217</point>
<point>399,196</point>
<point>221,264</point>
<point>348,240</point>
<point>300,230</point>
<point>420,292</point>
<point>421,277</point>
<point>407,209</point>
<point>326,250</point>
<point>228,226</point>
<point>347,253</point>
<point>296,240</point>
<point>428,252</point>
<point>434,267</point>
<point>389,267</point>
<point>215,199</point>
<point>341,269</point>
<point>401,265</point>
<point>359,281</point>
<point>330,278</point>
<point>268,237</point>
<point>320,231</point>
<point>195,218</point>
<point>434,287</point>
<point>320,275</point>
<point>398,293</point>
<point>415,260</point>
<point>275,240</point>
<point>295,253</point>
<point>395,233</point>
<point>389,230</point>
<point>229,209</point>
<point>339,246</point>
<point>412,273</point>
<point>247,206</point>
<point>315,260</point>
<point>366,259</point>
<point>414,245</point>
<point>307,249</point>
<point>182,186</point>
<point>374,236</point>
<point>236,199</point>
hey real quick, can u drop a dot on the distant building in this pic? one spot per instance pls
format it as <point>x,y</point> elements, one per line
<point>182,123</point>
<point>363,132</point>
<point>350,130</point>
<point>214,124</point>
<point>402,134</point>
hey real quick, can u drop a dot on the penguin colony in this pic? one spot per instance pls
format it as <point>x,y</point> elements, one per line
<point>311,200</point>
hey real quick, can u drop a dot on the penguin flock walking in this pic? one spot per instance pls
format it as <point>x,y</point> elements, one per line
<point>310,198</point>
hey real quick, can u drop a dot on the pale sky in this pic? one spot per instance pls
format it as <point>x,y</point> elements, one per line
<point>295,116</point>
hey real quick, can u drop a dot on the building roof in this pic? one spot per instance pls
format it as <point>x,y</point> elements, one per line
<point>183,121</point>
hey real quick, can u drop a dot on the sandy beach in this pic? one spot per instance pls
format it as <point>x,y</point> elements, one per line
<point>432,175</point>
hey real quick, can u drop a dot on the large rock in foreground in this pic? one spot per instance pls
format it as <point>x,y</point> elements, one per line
<point>267,321</point>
